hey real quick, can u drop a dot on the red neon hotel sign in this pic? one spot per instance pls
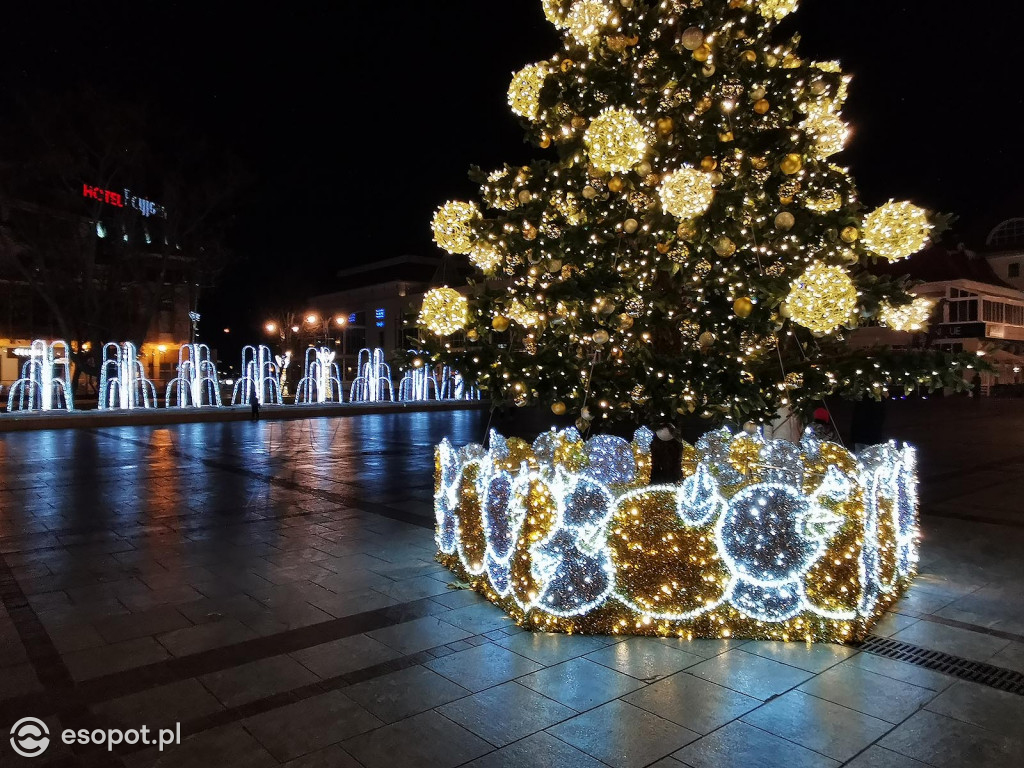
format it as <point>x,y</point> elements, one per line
<point>123,200</point>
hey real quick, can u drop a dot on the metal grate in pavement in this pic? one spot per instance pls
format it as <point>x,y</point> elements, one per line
<point>974,671</point>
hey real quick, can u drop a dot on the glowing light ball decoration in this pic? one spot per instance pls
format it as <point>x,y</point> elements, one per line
<point>453,226</point>
<point>909,317</point>
<point>896,230</point>
<point>486,257</point>
<point>687,193</point>
<point>615,140</point>
<point>445,311</point>
<point>823,298</point>
<point>829,131</point>
<point>553,12</point>
<point>587,19</point>
<point>524,91</point>
<point>763,539</point>
<point>776,9</point>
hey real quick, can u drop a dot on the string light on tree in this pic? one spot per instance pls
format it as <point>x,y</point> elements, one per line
<point>445,311</point>
<point>896,230</point>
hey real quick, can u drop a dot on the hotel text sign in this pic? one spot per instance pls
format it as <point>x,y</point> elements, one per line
<point>123,200</point>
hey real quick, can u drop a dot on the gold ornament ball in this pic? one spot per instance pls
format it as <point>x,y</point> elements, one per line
<point>785,221</point>
<point>555,266</point>
<point>545,142</point>
<point>662,248</point>
<point>605,306</point>
<point>850,235</point>
<point>726,136</point>
<point>643,169</point>
<point>615,140</point>
<point>558,408</point>
<point>686,231</point>
<point>665,125</point>
<point>625,321</point>
<point>716,178</point>
<point>500,323</point>
<point>686,193</point>
<point>567,64</point>
<point>702,53</point>
<point>630,226</point>
<point>453,226</point>
<point>743,307</point>
<point>750,56</point>
<point>785,311</point>
<point>600,338</point>
<point>692,38</point>
<point>445,311</point>
<point>762,106</point>
<point>708,163</point>
<point>615,184</point>
<point>582,424</point>
<point>791,164</point>
<point>529,232</point>
<point>705,340</point>
<point>525,196</point>
<point>589,192</point>
<point>472,334</point>
<point>724,246</point>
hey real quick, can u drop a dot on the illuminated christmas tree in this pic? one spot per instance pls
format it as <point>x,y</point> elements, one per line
<point>688,246</point>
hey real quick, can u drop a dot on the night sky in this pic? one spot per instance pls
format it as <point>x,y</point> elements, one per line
<point>358,119</point>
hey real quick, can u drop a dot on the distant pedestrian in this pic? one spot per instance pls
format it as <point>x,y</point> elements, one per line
<point>254,402</point>
<point>823,427</point>
<point>976,387</point>
<point>868,423</point>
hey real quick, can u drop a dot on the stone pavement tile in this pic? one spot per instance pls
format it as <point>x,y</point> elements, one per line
<point>740,744</point>
<point>352,581</point>
<point>550,648</point>
<point>873,694</point>
<point>462,645</point>
<point>750,674</point>
<point>340,560</point>
<point>997,606</point>
<point>478,619</point>
<point>18,680</point>
<point>482,666</point>
<point>257,680</point>
<point>980,705</point>
<point>623,736</point>
<point>413,589</point>
<point>580,684</point>
<point>403,571</point>
<point>693,702</point>
<point>306,726</point>
<point>476,640</point>
<point>159,707</point>
<point>900,670</point>
<point>142,601</point>
<point>506,713</point>
<point>706,649</point>
<point>458,598</point>
<point>813,657</point>
<point>947,743</point>
<point>644,658</point>
<point>1011,657</point>
<point>93,662</point>
<point>409,691</point>
<point>128,626</point>
<point>281,618</point>
<point>347,654</point>
<point>540,749</point>
<point>12,652</point>
<point>229,746</point>
<point>891,623</point>
<point>351,603</point>
<point>952,640</point>
<point>235,605</point>
<point>877,757</point>
<point>427,739</point>
<point>921,603</point>
<point>817,724</point>
<point>330,757</point>
<point>205,637</point>
<point>418,635</point>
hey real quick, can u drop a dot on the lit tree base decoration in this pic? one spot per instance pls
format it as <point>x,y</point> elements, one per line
<point>763,539</point>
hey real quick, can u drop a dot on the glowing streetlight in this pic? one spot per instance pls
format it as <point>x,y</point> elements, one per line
<point>271,327</point>
<point>311,318</point>
<point>341,320</point>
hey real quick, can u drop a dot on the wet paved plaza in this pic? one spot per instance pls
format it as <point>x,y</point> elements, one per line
<point>272,587</point>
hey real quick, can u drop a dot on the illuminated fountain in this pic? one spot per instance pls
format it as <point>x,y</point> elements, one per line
<point>196,384</point>
<point>417,384</point>
<point>762,538</point>
<point>128,388</point>
<point>321,380</point>
<point>45,382</point>
<point>455,387</point>
<point>374,382</point>
<point>259,372</point>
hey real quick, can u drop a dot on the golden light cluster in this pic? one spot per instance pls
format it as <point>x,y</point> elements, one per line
<point>896,230</point>
<point>485,256</point>
<point>524,90</point>
<point>823,298</point>
<point>553,12</point>
<point>909,317</point>
<point>828,130</point>
<point>453,226</point>
<point>518,313</point>
<point>587,19</point>
<point>687,193</point>
<point>776,9</point>
<point>615,140</point>
<point>445,311</point>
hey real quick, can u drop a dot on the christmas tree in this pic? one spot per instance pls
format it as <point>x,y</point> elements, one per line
<point>688,246</point>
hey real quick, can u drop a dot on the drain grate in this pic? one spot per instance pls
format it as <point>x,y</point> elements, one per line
<point>974,671</point>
